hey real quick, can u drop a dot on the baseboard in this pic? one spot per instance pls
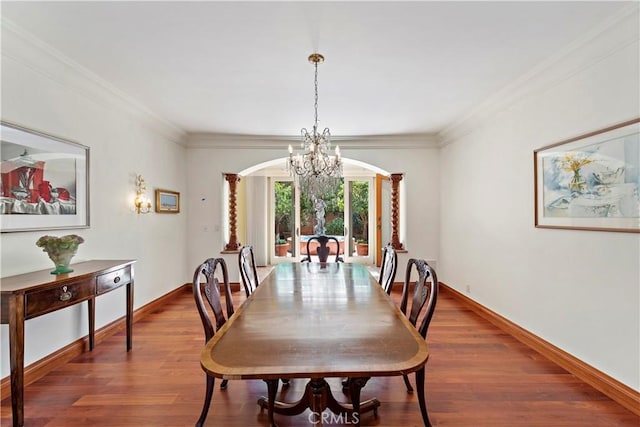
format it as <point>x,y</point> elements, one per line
<point>617,391</point>
<point>235,287</point>
<point>40,368</point>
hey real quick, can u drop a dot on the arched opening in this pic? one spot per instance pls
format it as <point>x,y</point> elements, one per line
<point>277,218</point>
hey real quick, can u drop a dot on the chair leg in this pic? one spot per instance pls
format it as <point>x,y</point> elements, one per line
<point>207,401</point>
<point>421,399</point>
<point>272,389</point>
<point>223,384</point>
<point>408,384</point>
<point>285,382</point>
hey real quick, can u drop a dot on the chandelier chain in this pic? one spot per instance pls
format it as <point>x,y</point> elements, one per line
<point>315,104</point>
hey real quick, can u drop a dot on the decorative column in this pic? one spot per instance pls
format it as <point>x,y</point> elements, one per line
<point>232,179</point>
<point>395,210</point>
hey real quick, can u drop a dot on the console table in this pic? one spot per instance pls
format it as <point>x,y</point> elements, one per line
<point>30,295</point>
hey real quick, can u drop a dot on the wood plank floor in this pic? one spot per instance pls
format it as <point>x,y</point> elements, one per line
<point>476,376</point>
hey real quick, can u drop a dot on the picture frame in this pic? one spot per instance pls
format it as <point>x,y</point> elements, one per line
<point>167,201</point>
<point>590,182</point>
<point>44,181</point>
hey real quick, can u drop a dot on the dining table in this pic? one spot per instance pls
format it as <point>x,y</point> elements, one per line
<point>317,321</point>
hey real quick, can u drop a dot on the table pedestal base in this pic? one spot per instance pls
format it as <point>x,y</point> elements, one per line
<point>318,397</point>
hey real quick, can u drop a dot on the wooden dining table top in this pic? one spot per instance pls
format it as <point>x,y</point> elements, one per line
<point>309,320</point>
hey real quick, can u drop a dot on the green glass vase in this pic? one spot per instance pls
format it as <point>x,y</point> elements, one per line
<point>62,259</point>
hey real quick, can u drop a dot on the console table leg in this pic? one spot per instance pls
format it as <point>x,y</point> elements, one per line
<point>16,358</point>
<point>130,313</point>
<point>92,323</point>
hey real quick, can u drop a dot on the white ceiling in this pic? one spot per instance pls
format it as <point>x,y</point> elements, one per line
<point>241,67</point>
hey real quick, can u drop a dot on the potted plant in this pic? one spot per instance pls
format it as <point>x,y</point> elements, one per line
<point>362,247</point>
<point>282,247</point>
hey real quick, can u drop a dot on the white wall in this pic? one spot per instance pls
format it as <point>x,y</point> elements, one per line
<point>257,190</point>
<point>578,290</point>
<point>43,93</point>
<point>211,159</point>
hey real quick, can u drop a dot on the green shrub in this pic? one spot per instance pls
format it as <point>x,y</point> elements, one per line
<point>336,227</point>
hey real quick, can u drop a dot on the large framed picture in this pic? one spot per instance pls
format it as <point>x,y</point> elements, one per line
<point>167,201</point>
<point>590,182</point>
<point>44,181</point>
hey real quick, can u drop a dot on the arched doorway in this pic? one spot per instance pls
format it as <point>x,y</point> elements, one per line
<point>357,213</point>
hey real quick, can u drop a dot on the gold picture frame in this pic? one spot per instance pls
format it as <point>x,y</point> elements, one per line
<point>167,201</point>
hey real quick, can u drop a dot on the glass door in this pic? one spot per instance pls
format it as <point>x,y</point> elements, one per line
<point>285,222</point>
<point>359,229</point>
<point>345,213</point>
<point>322,214</point>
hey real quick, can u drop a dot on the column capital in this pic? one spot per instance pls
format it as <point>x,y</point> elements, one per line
<point>396,177</point>
<point>231,177</point>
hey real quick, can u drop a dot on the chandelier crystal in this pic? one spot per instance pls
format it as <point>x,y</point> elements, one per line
<point>314,169</point>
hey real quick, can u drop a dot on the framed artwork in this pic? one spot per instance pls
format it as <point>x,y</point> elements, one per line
<point>44,181</point>
<point>590,182</point>
<point>167,201</point>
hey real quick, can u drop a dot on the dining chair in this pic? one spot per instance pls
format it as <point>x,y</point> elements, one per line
<point>248,271</point>
<point>423,304</point>
<point>205,282</point>
<point>388,268</point>
<point>323,250</point>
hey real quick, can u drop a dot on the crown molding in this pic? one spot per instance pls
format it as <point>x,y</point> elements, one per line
<point>22,47</point>
<point>274,142</point>
<point>612,35</point>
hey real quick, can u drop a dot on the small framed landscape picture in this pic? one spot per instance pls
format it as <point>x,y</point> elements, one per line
<point>167,201</point>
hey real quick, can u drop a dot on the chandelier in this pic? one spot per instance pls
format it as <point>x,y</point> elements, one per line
<point>314,169</point>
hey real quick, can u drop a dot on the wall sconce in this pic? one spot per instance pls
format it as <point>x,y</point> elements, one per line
<point>141,203</point>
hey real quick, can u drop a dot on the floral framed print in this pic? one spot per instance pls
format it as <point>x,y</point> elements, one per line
<point>167,201</point>
<point>590,182</point>
<point>44,181</point>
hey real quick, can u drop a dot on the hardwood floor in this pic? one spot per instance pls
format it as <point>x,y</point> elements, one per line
<point>476,376</point>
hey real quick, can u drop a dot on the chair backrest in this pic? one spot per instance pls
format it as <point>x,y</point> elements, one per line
<point>248,271</point>
<point>388,268</point>
<point>425,294</point>
<point>205,282</point>
<point>323,250</point>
